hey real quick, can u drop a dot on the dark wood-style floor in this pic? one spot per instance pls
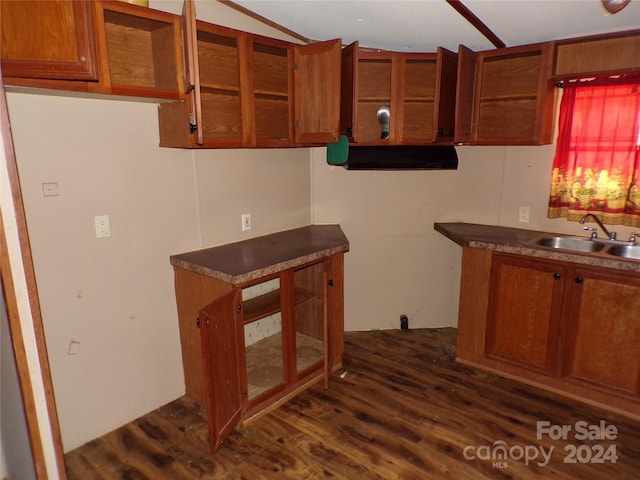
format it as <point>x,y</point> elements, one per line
<point>400,409</point>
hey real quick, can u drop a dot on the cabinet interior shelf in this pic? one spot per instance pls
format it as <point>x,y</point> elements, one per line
<point>219,87</point>
<point>147,65</point>
<point>374,99</point>
<point>275,95</point>
<point>510,97</point>
<point>269,304</point>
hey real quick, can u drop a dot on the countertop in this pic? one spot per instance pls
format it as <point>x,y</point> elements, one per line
<point>522,242</point>
<point>248,260</point>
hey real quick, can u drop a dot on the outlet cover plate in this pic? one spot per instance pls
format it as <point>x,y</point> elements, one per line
<point>102,226</point>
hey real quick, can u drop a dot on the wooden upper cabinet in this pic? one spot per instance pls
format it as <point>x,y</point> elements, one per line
<point>317,92</point>
<point>92,46</point>
<point>512,101</point>
<point>220,53</point>
<point>48,40</point>
<point>445,95</point>
<point>465,89</point>
<point>247,90</point>
<point>366,88</point>
<point>597,55</point>
<point>214,112</point>
<point>140,51</point>
<point>270,92</point>
<point>414,91</point>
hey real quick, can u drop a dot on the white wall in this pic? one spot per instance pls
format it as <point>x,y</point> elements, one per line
<point>115,295</point>
<point>398,264</point>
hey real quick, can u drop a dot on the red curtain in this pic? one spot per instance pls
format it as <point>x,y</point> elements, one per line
<point>596,168</point>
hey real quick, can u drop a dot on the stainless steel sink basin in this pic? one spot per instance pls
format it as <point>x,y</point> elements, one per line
<point>576,244</point>
<point>625,251</point>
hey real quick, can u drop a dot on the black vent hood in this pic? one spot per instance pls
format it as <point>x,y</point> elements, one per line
<point>405,157</point>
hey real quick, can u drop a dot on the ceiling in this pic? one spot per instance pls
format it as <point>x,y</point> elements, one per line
<point>423,25</point>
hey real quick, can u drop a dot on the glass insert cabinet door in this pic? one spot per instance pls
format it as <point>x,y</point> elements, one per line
<point>263,339</point>
<point>284,328</point>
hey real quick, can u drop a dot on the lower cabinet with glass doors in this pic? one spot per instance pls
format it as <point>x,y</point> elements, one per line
<point>264,335</point>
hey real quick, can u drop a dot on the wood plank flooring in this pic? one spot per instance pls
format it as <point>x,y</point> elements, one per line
<point>400,409</point>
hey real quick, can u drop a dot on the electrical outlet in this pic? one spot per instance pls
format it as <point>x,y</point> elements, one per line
<point>523,214</point>
<point>102,226</point>
<point>246,222</point>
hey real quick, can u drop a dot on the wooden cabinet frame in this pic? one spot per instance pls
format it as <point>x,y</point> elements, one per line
<point>601,341</point>
<point>140,51</point>
<point>611,53</point>
<point>418,88</point>
<point>37,51</point>
<point>248,90</point>
<point>213,315</point>
<point>122,49</point>
<point>524,312</point>
<point>505,96</point>
<point>596,377</point>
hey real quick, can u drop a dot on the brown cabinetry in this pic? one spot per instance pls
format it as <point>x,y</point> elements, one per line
<point>504,96</point>
<point>561,326</point>
<point>417,90</point>
<point>597,55</point>
<point>247,90</point>
<point>140,51</point>
<point>524,312</point>
<point>254,333</point>
<point>602,340</point>
<point>48,40</point>
<point>96,47</point>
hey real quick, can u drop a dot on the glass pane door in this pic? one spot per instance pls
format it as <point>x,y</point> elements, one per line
<point>263,337</point>
<point>309,317</point>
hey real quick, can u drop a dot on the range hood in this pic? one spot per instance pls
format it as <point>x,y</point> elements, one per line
<point>405,157</point>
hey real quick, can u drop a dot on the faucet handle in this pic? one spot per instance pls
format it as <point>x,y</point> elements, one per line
<point>632,237</point>
<point>593,230</point>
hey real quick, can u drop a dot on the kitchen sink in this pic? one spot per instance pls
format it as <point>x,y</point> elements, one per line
<point>625,251</point>
<point>576,244</point>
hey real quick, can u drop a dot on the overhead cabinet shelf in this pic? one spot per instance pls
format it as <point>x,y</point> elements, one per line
<point>391,98</point>
<point>140,49</point>
<point>94,47</point>
<point>505,96</point>
<point>246,90</point>
<point>597,55</point>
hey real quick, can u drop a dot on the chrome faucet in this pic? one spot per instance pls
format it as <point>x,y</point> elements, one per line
<point>611,235</point>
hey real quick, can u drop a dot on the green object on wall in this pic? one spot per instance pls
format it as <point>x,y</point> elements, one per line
<point>338,152</point>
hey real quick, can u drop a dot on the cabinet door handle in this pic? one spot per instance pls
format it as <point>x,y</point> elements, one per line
<point>557,276</point>
<point>579,279</point>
